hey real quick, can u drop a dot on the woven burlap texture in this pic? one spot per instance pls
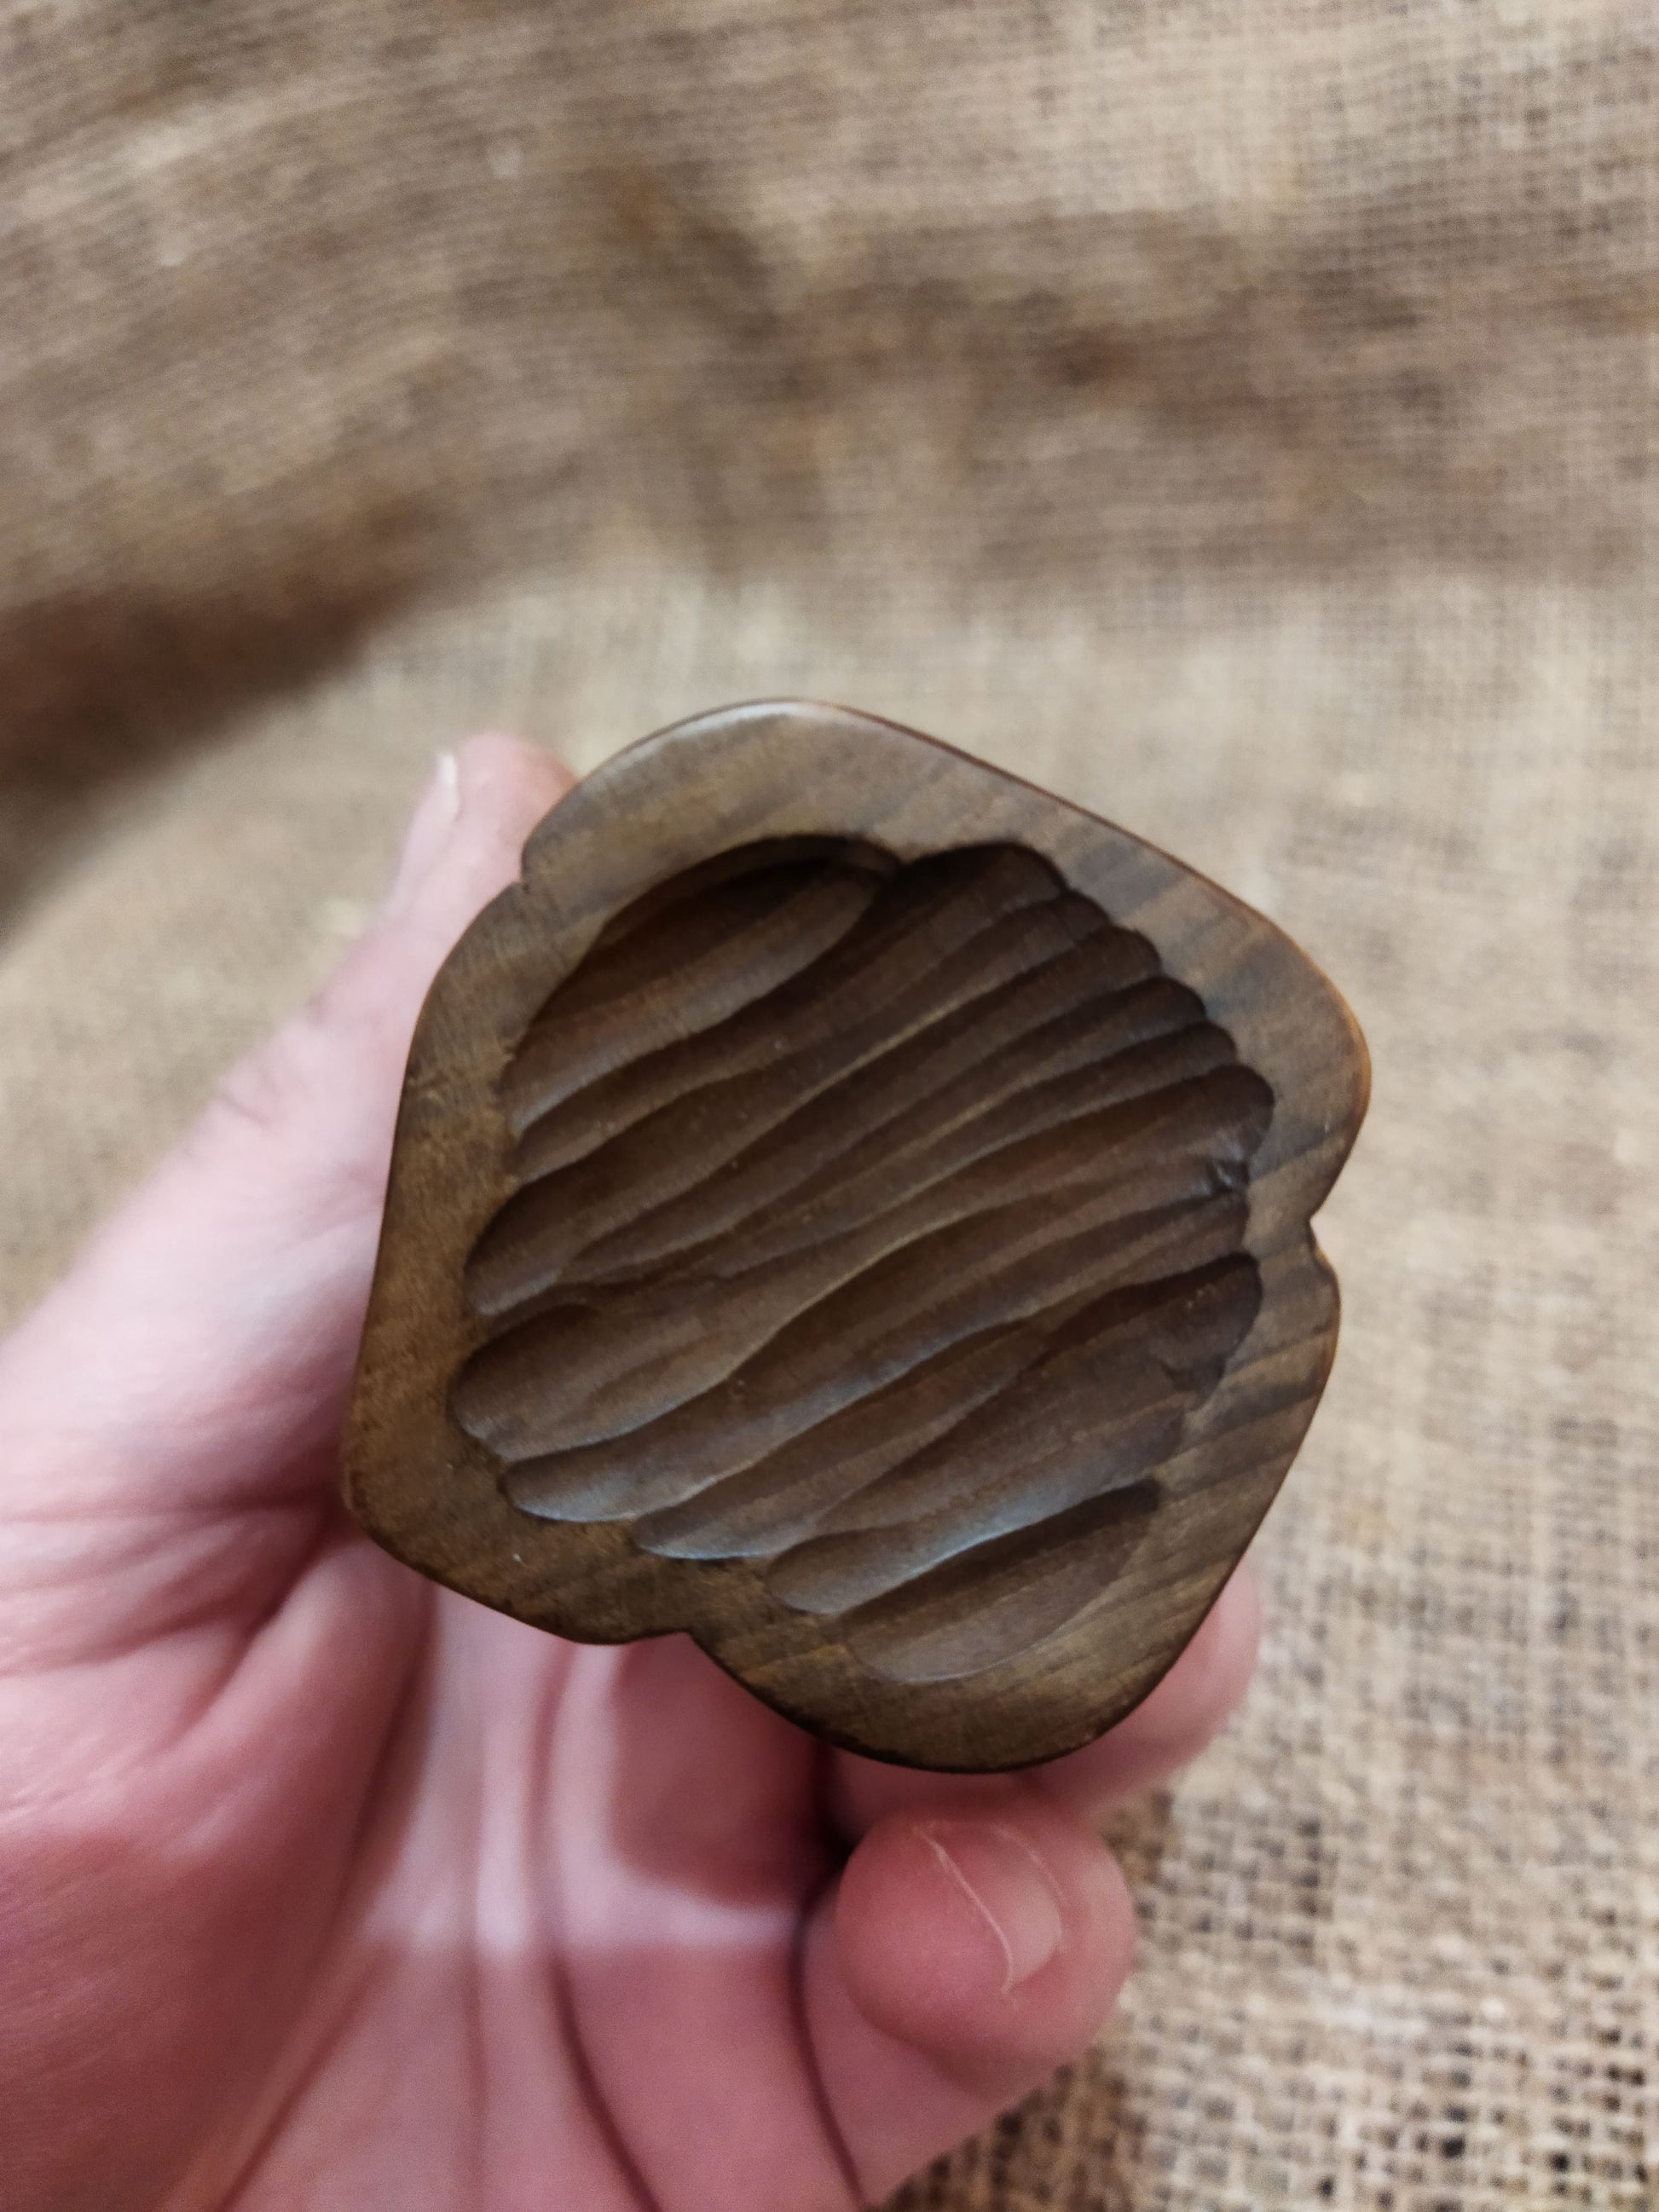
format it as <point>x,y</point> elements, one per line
<point>1240,415</point>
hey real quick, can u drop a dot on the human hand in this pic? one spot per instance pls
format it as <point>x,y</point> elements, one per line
<point>326,1888</point>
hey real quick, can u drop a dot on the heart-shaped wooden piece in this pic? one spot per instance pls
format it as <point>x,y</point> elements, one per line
<point>854,1207</point>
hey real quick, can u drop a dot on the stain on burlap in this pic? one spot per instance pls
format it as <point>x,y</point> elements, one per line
<point>1240,414</point>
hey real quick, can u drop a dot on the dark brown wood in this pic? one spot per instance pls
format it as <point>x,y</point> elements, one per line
<point>854,1207</point>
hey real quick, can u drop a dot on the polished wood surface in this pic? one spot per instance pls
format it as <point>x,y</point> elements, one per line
<point>854,1207</point>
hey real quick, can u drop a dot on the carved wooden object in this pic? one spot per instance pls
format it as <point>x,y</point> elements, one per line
<point>854,1207</point>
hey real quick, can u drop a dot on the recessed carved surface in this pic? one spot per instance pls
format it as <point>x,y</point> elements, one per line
<point>854,1207</point>
<point>879,1224</point>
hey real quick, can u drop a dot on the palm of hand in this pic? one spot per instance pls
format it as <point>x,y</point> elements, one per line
<point>336,1890</point>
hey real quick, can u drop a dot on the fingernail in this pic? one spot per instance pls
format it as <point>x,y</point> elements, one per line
<point>1000,1874</point>
<point>435,817</point>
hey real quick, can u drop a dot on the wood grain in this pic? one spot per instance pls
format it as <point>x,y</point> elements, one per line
<point>856,1207</point>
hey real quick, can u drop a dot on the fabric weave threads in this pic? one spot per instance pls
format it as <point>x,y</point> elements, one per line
<point>1238,415</point>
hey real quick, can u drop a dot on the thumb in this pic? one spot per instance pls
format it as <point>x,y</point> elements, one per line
<point>197,1358</point>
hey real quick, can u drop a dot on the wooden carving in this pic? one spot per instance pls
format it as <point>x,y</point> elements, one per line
<point>854,1207</point>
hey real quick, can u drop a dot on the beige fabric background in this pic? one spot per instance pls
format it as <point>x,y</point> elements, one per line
<point>1239,415</point>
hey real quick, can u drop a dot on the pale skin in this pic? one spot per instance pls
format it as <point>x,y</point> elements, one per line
<point>325,1888</point>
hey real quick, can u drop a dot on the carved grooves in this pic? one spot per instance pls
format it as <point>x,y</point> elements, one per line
<point>880,1224</point>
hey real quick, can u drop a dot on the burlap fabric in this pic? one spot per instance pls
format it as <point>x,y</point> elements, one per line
<point>1236,413</point>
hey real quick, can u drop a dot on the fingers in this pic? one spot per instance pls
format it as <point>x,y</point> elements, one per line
<point>962,1956</point>
<point>686,1849</point>
<point>1187,1709</point>
<point>982,1931</point>
<point>199,1353</point>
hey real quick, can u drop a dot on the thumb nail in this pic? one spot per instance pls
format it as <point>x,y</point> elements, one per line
<point>435,817</point>
<point>1007,1884</point>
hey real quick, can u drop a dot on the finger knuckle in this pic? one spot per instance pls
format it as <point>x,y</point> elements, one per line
<point>268,1090</point>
